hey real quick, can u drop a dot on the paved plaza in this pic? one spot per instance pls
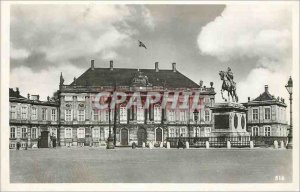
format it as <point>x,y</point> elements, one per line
<point>124,165</point>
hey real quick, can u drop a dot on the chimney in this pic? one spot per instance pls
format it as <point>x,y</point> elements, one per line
<point>48,98</point>
<point>174,67</point>
<point>111,65</point>
<point>17,91</point>
<point>156,67</point>
<point>28,96</point>
<point>92,64</point>
<point>266,88</point>
<point>248,99</point>
<point>201,83</point>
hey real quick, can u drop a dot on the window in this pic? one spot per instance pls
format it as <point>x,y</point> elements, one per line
<point>197,131</point>
<point>68,115</point>
<point>207,115</point>
<point>81,115</point>
<point>53,132</point>
<point>13,112</point>
<point>34,133</point>
<point>140,114</point>
<point>106,115</point>
<point>44,114</point>
<point>24,113</point>
<point>96,132</point>
<point>53,114</point>
<point>95,115</point>
<point>81,132</point>
<point>255,131</point>
<point>268,131</point>
<point>157,113</point>
<point>267,113</point>
<point>12,132</point>
<point>123,114</point>
<point>255,114</point>
<point>183,132</point>
<point>182,116</point>
<point>207,131</point>
<point>68,133</point>
<point>12,145</point>
<point>171,115</point>
<point>172,132</point>
<point>34,113</point>
<point>206,100</point>
<point>24,132</point>
<point>68,98</point>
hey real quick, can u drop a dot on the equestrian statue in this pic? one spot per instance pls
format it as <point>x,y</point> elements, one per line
<point>228,85</point>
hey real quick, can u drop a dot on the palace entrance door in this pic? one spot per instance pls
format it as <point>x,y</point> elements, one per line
<point>158,133</point>
<point>142,136</point>
<point>44,139</point>
<point>124,136</point>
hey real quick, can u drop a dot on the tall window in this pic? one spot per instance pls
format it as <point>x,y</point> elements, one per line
<point>95,115</point>
<point>24,113</point>
<point>197,132</point>
<point>183,132</point>
<point>172,132</point>
<point>268,131</point>
<point>267,113</point>
<point>96,132</point>
<point>24,130</point>
<point>207,131</point>
<point>12,132</point>
<point>140,114</point>
<point>182,115</point>
<point>106,115</point>
<point>68,133</point>
<point>81,132</point>
<point>34,133</point>
<point>13,112</point>
<point>44,114</point>
<point>207,115</point>
<point>53,132</point>
<point>18,132</point>
<point>53,114</point>
<point>255,131</point>
<point>34,113</point>
<point>171,115</point>
<point>81,115</point>
<point>255,114</point>
<point>68,115</point>
<point>123,114</point>
<point>157,113</point>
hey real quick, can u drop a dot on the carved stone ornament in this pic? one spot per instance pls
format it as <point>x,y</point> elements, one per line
<point>140,80</point>
<point>68,105</point>
<point>81,105</point>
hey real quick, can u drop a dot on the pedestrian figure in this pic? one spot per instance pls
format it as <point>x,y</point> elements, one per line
<point>180,143</point>
<point>18,145</point>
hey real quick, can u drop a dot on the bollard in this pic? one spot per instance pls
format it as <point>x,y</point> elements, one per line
<point>207,144</point>
<point>228,145</point>
<point>150,145</point>
<point>251,145</point>
<point>144,145</point>
<point>161,145</point>
<point>168,145</point>
<point>187,145</point>
<point>282,145</point>
<point>276,144</point>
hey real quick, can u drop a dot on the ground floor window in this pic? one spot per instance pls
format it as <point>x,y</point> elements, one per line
<point>267,131</point>
<point>34,133</point>
<point>68,133</point>
<point>255,131</point>
<point>23,144</point>
<point>196,131</point>
<point>81,132</point>
<point>183,132</point>
<point>96,132</point>
<point>12,145</point>
<point>207,131</point>
<point>171,132</point>
<point>80,144</point>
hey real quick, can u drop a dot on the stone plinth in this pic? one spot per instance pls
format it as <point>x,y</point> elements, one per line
<point>229,119</point>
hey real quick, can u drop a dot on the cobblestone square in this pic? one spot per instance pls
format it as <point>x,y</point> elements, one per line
<point>124,165</point>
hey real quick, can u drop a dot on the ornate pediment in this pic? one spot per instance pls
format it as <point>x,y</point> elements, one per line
<point>140,80</point>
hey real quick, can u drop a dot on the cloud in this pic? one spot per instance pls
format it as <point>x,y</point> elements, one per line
<point>43,83</point>
<point>250,32</point>
<point>18,53</point>
<point>65,32</point>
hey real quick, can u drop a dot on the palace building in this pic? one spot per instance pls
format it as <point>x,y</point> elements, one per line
<point>267,115</point>
<point>82,123</point>
<point>32,122</point>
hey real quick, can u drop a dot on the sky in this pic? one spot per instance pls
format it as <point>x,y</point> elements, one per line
<point>254,41</point>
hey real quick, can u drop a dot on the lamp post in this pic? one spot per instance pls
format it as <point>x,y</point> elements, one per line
<point>110,139</point>
<point>196,113</point>
<point>289,88</point>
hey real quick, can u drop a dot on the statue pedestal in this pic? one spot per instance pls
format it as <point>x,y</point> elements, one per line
<point>229,120</point>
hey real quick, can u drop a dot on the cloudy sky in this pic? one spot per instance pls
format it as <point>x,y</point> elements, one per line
<point>255,41</point>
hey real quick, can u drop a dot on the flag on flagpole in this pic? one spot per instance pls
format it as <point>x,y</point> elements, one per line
<point>141,44</point>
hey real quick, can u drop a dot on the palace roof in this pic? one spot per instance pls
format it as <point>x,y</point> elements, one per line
<point>126,76</point>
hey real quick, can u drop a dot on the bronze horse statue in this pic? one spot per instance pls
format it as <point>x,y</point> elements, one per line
<point>228,86</point>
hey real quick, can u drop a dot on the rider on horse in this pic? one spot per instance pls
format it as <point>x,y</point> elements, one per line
<point>229,76</point>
